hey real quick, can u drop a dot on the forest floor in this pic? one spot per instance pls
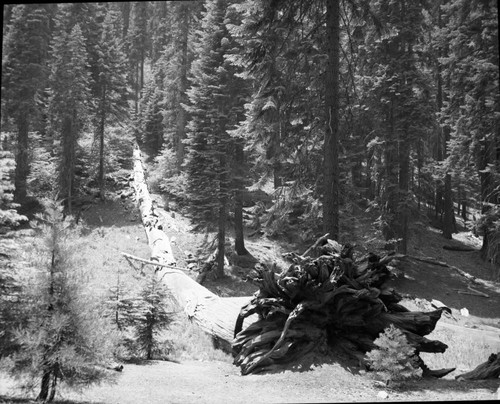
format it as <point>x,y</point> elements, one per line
<point>114,226</point>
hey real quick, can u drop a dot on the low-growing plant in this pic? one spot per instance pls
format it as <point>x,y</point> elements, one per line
<point>394,358</point>
<point>187,341</point>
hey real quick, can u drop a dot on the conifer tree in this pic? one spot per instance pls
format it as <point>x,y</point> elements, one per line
<point>175,63</point>
<point>214,109</point>
<point>24,75</point>
<point>69,100</point>
<point>471,76</point>
<point>112,85</point>
<point>65,338</point>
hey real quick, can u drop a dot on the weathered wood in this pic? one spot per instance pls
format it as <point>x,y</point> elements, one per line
<point>158,241</point>
<point>154,263</point>
<point>333,295</point>
<point>487,370</point>
<point>213,314</point>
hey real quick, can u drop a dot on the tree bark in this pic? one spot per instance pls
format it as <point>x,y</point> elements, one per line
<point>404,179</point>
<point>183,84</point>
<point>487,370</point>
<point>239,238</point>
<point>22,163</point>
<point>221,237</point>
<point>330,152</point>
<point>102,124</point>
<point>67,173</point>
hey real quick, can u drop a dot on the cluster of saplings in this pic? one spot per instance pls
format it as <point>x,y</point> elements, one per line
<point>55,328</point>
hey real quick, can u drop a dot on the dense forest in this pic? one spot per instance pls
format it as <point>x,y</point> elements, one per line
<point>392,106</point>
<point>297,114</point>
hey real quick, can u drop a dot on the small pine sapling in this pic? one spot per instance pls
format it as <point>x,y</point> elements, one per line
<point>150,317</point>
<point>394,358</point>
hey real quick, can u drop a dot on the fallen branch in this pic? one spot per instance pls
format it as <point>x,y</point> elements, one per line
<point>155,263</point>
<point>471,292</point>
<point>318,241</point>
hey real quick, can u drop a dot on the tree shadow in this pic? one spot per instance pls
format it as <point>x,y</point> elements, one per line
<point>5,399</point>
<point>445,385</point>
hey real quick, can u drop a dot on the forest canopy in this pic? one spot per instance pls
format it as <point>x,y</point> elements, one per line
<point>330,107</point>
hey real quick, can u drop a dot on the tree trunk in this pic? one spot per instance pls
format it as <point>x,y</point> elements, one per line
<point>330,152</point>
<point>67,172</point>
<point>391,225</point>
<point>487,370</point>
<point>102,124</point>
<point>22,163</point>
<point>404,178</point>
<point>213,314</point>
<point>183,84</point>
<point>221,237</point>
<point>239,238</point>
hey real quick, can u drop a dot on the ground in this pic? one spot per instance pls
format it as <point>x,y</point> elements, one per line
<point>113,226</point>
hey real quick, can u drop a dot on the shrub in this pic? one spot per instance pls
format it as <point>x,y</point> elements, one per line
<point>394,359</point>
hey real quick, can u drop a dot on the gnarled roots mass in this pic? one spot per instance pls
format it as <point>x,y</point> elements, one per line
<point>333,298</point>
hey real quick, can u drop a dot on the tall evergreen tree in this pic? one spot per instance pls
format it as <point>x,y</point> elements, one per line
<point>214,108</point>
<point>400,95</point>
<point>24,75</point>
<point>112,104</point>
<point>471,76</point>
<point>69,100</point>
<point>175,63</point>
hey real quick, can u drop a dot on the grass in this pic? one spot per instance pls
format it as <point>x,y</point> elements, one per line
<point>189,342</point>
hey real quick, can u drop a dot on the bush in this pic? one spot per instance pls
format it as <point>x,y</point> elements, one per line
<point>394,359</point>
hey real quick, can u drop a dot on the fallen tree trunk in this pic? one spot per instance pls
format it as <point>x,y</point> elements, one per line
<point>487,370</point>
<point>332,297</point>
<point>214,315</point>
<point>158,241</point>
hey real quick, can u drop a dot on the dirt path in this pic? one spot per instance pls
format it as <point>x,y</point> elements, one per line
<point>220,382</point>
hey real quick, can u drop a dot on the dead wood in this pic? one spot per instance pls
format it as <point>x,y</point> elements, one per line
<point>333,297</point>
<point>213,314</point>
<point>487,370</point>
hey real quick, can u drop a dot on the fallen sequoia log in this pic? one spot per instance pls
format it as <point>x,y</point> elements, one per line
<point>213,314</point>
<point>487,370</point>
<point>333,298</point>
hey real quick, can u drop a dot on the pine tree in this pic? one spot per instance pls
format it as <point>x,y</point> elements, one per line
<point>65,338</point>
<point>471,72</point>
<point>398,92</point>
<point>112,104</point>
<point>24,75</point>
<point>175,63</point>
<point>214,109</point>
<point>149,316</point>
<point>394,356</point>
<point>69,100</point>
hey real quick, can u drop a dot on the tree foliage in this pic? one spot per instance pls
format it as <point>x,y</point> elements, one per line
<point>65,338</point>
